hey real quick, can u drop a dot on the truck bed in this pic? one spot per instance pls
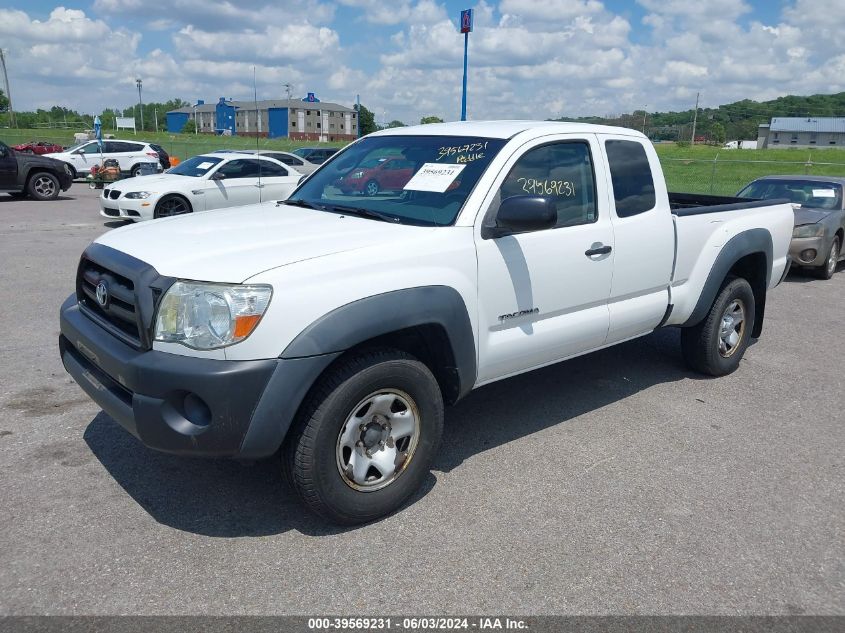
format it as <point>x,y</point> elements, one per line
<point>684,204</point>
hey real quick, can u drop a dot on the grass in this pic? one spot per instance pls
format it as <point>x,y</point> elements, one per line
<point>698,169</point>
<point>181,145</point>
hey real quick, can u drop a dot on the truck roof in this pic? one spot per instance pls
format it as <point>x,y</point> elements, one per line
<point>504,129</point>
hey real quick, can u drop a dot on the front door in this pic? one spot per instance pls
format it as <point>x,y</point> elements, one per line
<point>86,157</point>
<point>8,168</point>
<point>237,188</point>
<point>543,294</point>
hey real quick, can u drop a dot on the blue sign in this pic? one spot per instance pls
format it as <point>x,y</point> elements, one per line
<point>466,21</point>
<point>311,98</point>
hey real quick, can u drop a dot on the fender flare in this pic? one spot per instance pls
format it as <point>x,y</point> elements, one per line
<point>321,343</point>
<point>739,246</point>
<point>367,318</point>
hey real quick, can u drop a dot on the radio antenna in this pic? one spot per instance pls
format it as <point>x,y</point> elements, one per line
<point>257,127</point>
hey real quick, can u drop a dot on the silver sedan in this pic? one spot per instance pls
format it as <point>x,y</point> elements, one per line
<point>819,206</point>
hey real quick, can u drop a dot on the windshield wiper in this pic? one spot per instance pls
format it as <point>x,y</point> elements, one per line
<point>299,202</point>
<point>366,213</point>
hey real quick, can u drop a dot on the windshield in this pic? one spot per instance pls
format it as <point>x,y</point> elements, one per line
<point>197,166</point>
<point>302,152</point>
<point>808,193</point>
<point>412,179</point>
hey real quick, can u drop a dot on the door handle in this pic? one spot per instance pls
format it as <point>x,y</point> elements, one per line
<point>261,186</point>
<point>599,250</point>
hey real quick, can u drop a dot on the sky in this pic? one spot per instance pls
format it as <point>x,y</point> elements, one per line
<point>532,59</point>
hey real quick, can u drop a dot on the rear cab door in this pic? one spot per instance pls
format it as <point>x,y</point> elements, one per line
<point>543,294</point>
<point>644,233</point>
<point>276,182</point>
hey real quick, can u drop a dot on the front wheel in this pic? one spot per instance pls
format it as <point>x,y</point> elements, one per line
<point>371,188</point>
<point>716,345</point>
<point>365,439</point>
<point>172,205</point>
<point>826,270</point>
<point>43,186</point>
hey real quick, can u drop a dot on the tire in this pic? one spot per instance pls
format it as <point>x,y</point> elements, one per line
<point>826,270</point>
<point>709,347</point>
<point>135,171</point>
<point>172,205</point>
<point>371,188</point>
<point>372,395</point>
<point>43,186</point>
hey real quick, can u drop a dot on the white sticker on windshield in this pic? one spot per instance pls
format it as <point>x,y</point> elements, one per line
<point>824,193</point>
<point>434,177</point>
<point>204,165</point>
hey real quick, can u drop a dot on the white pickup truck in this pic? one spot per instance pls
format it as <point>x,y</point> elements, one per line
<point>333,327</point>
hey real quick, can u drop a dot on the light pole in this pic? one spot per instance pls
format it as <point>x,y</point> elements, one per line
<point>140,102</point>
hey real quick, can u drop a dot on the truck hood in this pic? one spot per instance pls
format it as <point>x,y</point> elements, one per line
<point>804,215</point>
<point>39,160</point>
<point>232,245</point>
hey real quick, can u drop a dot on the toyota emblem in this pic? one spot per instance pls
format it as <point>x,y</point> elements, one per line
<point>102,294</point>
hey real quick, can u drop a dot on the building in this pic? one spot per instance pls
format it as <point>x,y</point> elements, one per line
<point>307,119</point>
<point>802,132</point>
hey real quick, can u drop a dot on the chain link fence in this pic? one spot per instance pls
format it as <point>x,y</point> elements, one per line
<point>725,177</point>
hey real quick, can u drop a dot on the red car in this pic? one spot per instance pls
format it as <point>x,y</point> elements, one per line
<point>388,173</point>
<point>40,147</point>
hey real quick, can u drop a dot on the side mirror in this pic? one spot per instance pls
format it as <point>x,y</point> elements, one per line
<point>218,176</point>
<point>520,214</point>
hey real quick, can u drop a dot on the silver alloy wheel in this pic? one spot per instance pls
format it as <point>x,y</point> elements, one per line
<point>732,328</point>
<point>372,188</point>
<point>378,440</point>
<point>173,206</point>
<point>44,186</point>
<point>833,259</point>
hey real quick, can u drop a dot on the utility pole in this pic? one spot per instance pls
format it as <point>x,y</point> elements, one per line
<point>12,121</point>
<point>140,102</point>
<point>695,117</point>
<point>645,113</point>
<point>288,88</point>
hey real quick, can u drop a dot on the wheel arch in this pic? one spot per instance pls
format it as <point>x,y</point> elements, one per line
<point>173,194</point>
<point>748,255</point>
<point>429,322</point>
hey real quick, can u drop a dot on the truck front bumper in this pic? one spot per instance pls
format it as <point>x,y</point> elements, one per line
<point>183,404</point>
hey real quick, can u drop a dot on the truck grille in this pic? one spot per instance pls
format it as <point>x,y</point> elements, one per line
<point>119,311</point>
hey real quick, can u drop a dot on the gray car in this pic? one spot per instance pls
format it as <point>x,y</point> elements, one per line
<point>819,207</point>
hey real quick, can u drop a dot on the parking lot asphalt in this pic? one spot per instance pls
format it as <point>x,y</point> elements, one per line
<point>616,483</point>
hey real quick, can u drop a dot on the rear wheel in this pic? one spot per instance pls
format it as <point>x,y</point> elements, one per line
<point>43,186</point>
<point>716,345</point>
<point>135,171</point>
<point>365,439</point>
<point>826,270</point>
<point>172,205</point>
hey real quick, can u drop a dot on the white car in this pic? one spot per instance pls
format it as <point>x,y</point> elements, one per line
<point>202,183</point>
<point>131,155</point>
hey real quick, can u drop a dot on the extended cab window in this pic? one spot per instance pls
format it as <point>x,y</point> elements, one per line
<point>561,171</point>
<point>630,173</point>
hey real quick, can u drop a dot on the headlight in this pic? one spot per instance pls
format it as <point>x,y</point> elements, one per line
<point>808,230</point>
<point>356,175</point>
<point>209,316</point>
<point>138,195</point>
